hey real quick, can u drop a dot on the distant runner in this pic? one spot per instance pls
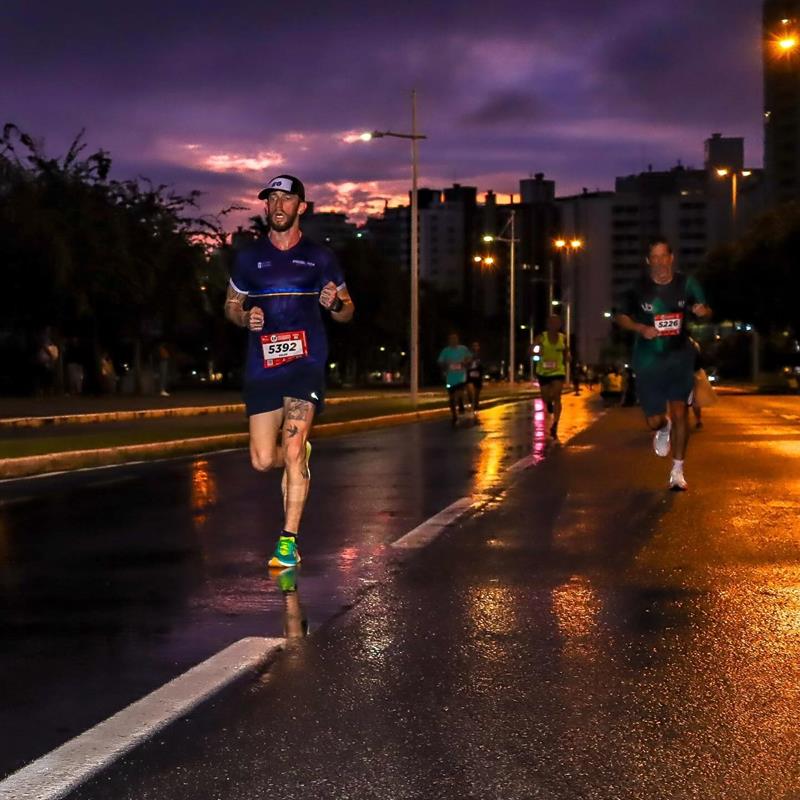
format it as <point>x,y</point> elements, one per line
<point>453,360</point>
<point>279,284</point>
<point>663,358</point>
<point>551,369</point>
<point>475,377</point>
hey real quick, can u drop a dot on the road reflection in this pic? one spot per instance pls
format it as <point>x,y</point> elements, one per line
<point>203,491</point>
<point>295,623</point>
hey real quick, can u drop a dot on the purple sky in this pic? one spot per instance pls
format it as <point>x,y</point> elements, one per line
<point>217,96</point>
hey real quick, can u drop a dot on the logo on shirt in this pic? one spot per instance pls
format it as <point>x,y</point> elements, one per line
<point>314,395</point>
<point>647,307</point>
<point>262,264</point>
<point>301,263</point>
<point>681,303</point>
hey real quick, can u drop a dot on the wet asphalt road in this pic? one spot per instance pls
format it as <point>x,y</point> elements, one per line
<point>114,581</point>
<point>585,635</point>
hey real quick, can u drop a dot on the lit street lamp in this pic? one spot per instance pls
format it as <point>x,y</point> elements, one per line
<point>724,172</point>
<point>414,137</point>
<point>569,247</point>
<point>512,331</point>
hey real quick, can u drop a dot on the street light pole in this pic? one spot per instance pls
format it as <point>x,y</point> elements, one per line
<point>512,329</point>
<point>512,287</point>
<point>570,248</point>
<point>414,371</point>
<point>414,224</point>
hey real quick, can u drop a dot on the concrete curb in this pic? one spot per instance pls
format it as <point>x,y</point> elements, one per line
<point>162,413</point>
<point>28,466</point>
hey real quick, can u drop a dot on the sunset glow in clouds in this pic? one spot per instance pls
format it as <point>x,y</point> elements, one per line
<point>201,98</point>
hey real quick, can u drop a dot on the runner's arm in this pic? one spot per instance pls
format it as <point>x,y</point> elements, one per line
<point>698,299</point>
<point>234,310</point>
<point>628,324</point>
<point>345,313</point>
<point>338,301</point>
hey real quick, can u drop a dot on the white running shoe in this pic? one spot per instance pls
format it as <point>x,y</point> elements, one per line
<point>677,483</point>
<point>661,439</point>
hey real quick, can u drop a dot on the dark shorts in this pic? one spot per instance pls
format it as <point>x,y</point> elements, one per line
<point>300,382</point>
<point>670,378</point>
<point>476,382</point>
<point>546,380</point>
<point>451,390</point>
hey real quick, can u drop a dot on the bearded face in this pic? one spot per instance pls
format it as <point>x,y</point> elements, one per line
<point>282,210</point>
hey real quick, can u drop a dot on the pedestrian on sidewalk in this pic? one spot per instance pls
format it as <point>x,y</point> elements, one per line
<point>162,353</point>
<point>73,358</point>
<point>475,377</point>
<point>657,312</point>
<point>577,375</point>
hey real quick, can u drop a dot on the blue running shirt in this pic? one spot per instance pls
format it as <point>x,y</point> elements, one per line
<point>286,285</point>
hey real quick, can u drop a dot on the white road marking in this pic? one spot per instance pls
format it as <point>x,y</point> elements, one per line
<point>426,532</point>
<point>524,463</point>
<point>59,772</point>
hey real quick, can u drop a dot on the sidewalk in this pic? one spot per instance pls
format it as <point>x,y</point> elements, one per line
<point>585,635</point>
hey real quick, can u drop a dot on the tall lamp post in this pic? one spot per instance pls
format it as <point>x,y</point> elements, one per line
<point>511,241</point>
<point>414,137</point>
<point>569,247</point>
<point>725,172</point>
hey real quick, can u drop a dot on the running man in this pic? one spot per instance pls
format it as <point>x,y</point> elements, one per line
<point>551,369</point>
<point>663,357</point>
<point>453,360</point>
<point>475,377</point>
<point>278,285</point>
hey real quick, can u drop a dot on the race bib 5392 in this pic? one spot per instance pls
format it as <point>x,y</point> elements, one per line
<point>668,324</point>
<point>282,347</point>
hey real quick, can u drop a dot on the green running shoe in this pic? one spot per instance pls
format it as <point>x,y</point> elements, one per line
<point>286,553</point>
<point>287,580</point>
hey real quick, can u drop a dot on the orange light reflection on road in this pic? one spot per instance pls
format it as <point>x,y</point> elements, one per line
<point>576,608</point>
<point>204,491</point>
<point>490,457</point>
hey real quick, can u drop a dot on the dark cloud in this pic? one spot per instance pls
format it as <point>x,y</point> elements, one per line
<point>503,108</point>
<point>579,89</point>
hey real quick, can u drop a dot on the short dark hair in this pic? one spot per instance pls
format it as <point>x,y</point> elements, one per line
<point>658,239</point>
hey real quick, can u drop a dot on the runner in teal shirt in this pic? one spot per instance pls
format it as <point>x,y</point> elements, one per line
<point>453,360</point>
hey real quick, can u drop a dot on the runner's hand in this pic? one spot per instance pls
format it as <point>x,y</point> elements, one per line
<point>648,333</point>
<point>701,310</point>
<point>327,296</point>
<point>255,319</point>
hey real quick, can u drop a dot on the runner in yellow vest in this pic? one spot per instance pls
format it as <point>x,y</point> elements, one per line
<point>551,368</point>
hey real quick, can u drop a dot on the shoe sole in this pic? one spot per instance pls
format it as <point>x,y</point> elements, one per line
<point>275,563</point>
<point>665,453</point>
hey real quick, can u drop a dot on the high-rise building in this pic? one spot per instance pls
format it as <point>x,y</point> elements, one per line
<point>330,228</point>
<point>782,100</point>
<point>586,273</point>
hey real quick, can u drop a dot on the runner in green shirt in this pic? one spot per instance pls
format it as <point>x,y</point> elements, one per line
<point>657,311</point>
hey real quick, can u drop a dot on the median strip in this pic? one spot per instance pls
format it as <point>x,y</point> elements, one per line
<point>26,466</point>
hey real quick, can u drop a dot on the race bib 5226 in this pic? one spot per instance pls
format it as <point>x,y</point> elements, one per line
<point>279,348</point>
<point>668,324</point>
